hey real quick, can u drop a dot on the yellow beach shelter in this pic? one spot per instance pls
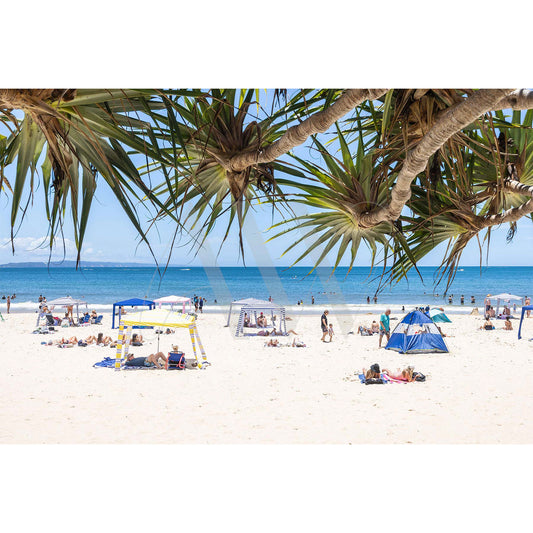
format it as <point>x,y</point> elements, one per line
<point>157,317</point>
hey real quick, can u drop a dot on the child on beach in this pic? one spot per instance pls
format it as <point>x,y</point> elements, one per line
<point>330,332</point>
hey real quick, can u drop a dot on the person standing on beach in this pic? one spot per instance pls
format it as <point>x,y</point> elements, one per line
<point>324,325</point>
<point>384,326</point>
<point>375,299</point>
<point>8,304</point>
<point>330,332</point>
<point>312,300</point>
<point>201,304</point>
<point>527,302</point>
<point>462,299</point>
<point>368,299</point>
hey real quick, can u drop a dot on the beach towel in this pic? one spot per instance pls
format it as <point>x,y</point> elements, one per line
<point>107,362</point>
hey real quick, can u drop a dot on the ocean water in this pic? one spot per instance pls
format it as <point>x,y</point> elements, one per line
<point>101,287</point>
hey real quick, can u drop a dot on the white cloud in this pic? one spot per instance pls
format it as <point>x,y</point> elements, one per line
<point>37,249</point>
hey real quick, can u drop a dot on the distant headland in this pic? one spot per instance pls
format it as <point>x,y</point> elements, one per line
<point>72,264</point>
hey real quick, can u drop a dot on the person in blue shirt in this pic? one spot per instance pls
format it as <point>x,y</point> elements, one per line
<point>384,326</point>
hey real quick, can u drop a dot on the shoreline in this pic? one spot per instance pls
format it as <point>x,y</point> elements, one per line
<point>306,309</point>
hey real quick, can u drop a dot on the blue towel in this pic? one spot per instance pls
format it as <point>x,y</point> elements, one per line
<point>107,362</point>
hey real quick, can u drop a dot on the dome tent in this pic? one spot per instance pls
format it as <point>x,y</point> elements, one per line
<point>437,314</point>
<point>416,333</point>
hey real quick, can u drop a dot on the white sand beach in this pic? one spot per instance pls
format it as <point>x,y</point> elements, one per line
<point>478,393</point>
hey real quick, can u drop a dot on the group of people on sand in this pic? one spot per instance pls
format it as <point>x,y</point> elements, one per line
<point>98,340</point>
<point>262,321</point>
<point>488,325</point>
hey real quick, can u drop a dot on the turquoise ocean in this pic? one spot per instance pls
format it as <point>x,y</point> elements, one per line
<point>101,287</point>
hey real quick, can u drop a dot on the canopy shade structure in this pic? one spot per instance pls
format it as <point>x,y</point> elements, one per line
<point>132,302</point>
<point>503,297</point>
<point>157,317</point>
<point>251,301</point>
<point>66,301</point>
<point>416,333</point>
<point>261,306</point>
<point>437,315</point>
<point>524,309</point>
<point>172,299</point>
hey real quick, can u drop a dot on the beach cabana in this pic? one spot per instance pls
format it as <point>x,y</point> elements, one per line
<point>157,317</point>
<point>252,306</point>
<point>174,300</point>
<point>132,302</point>
<point>524,309</point>
<point>506,297</point>
<point>437,314</point>
<point>416,333</point>
<point>67,301</point>
<point>245,301</point>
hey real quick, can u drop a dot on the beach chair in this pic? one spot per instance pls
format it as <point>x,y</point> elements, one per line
<point>98,320</point>
<point>84,321</point>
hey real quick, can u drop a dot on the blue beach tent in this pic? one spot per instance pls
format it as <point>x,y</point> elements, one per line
<point>416,333</point>
<point>132,302</point>
<point>524,309</point>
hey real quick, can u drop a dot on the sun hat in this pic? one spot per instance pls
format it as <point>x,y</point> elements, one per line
<point>375,368</point>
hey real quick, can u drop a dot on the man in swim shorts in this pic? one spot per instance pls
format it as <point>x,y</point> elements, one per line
<point>150,361</point>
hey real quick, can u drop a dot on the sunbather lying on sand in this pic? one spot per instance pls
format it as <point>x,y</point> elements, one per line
<point>151,360</point>
<point>274,332</point>
<point>401,375</point>
<point>373,372</point>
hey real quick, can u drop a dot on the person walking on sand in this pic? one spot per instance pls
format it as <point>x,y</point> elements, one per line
<point>330,332</point>
<point>8,304</point>
<point>526,302</point>
<point>324,325</point>
<point>384,326</point>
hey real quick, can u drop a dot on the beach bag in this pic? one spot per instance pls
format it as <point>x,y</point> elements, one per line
<point>419,376</point>
<point>374,381</point>
<point>176,360</point>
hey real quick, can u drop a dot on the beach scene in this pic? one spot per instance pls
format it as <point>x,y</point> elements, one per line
<point>241,266</point>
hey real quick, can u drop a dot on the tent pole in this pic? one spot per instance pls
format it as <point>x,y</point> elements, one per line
<point>191,333</point>
<point>229,314</point>
<point>520,325</point>
<point>120,344</point>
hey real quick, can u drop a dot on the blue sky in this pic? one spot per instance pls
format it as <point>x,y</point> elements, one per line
<point>111,237</point>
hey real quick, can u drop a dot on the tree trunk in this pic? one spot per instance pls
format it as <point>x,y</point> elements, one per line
<point>317,123</point>
<point>451,122</point>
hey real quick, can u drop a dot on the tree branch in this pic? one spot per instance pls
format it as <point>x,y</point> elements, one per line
<point>452,121</point>
<point>517,100</point>
<point>515,213</point>
<point>511,215</point>
<point>317,123</point>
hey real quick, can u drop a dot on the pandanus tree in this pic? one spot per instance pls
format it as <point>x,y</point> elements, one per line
<point>64,139</point>
<point>403,170</point>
